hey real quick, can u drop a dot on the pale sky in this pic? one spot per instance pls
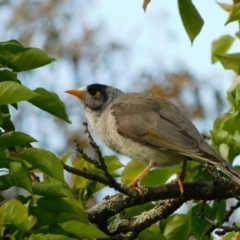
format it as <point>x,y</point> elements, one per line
<point>159,32</point>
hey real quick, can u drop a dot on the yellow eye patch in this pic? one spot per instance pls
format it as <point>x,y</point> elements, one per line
<point>98,93</point>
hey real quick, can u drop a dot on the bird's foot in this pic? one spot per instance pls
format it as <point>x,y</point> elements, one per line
<point>134,185</point>
<point>179,181</point>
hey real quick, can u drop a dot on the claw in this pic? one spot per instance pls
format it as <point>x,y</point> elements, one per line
<point>180,179</point>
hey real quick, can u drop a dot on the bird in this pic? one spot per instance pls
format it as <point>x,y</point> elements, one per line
<point>147,128</point>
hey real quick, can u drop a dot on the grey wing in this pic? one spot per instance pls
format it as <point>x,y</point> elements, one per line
<point>156,122</point>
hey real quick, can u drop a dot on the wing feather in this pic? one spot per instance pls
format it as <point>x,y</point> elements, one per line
<point>156,122</point>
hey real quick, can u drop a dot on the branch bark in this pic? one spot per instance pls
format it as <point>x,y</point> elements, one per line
<point>100,213</point>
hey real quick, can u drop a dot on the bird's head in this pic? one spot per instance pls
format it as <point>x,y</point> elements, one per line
<point>95,97</point>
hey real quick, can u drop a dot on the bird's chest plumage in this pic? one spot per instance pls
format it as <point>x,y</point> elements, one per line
<point>106,128</point>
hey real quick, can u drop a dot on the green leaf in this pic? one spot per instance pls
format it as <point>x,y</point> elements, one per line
<point>6,182</point>
<point>199,226</point>
<point>48,179</point>
<point>20,175</point>
<point>177,227</point>
<point>131,171</point>
<point>64,217</point>
<point>234,96</point>
<point>229,61</point>
<point>225,6</point>
<point>56,189</point>
<point>57,229</point>
<point>45,161</point>
<point>221,46</point>
<point>4,162</point>
<point>81,230</point>
<point>4,109</point>
<point>152,233</point>
<point>87,192</point>
<point>67,204</point>
<point>65,157</point>
<point>6,75</point>
<point>43,216</point>
<point>113,163</point>
<point>137,210</point>
<point>50,102</point>
<point>80,182</point>
<point>220,207</point>
<point>226,135</point>
<point>231,236</point>
<point>225,143</point>
<point>1,119</point>
<point>158,176</point>
<point>11,139</point>
<point>25,200</point>
<point>49,237</point>
<point>13,212</point>
<point>6,123</point>
<point>18,234</point>
<point>237,34</point>
<point>191,19</point>
<point>11,92</point>
<point>15,105</point>
<point>19,58</point>
<point>234,14</point>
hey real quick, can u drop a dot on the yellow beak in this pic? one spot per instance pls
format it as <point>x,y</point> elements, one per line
<point>76,92</point>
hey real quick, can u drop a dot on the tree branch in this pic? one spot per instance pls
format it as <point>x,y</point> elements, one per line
<point>217,225</point>
<point>100,213</point>
<point>92,176</point>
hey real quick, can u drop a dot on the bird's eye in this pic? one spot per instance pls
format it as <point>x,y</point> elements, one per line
<point>95,93</point>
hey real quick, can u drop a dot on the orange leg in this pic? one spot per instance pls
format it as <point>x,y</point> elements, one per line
<point>142,174</point>
<point>180,179</point>
<point>134,184</point>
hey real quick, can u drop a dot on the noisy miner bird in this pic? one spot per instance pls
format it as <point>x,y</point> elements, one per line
<point>147,128</point>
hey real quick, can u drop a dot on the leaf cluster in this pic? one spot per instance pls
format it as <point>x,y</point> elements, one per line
<point>49,209</point>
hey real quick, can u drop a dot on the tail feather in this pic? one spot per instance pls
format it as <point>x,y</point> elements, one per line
<point>209,155</point>
<point>229,170</point>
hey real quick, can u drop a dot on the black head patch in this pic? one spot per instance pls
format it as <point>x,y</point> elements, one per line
<point>94,88</point>
<point>99,96</point>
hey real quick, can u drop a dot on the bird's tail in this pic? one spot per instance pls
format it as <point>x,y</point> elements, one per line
<point>209,155</point>
<point>229,170</point>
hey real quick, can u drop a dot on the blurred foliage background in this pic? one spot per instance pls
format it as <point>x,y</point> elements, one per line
<point>82,43</point>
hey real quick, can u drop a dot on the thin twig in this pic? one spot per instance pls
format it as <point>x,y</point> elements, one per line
<point>85,156</point>
<point>94,145</point>
<point>84,173</point>
<point>230,212</point>
<point>217,225</point>
<point>210,170</point>
<point>131,192</point>
<point>100,163</point>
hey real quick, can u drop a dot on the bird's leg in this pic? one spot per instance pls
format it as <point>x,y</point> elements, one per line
<point>134,184</point>
<point>180,179</point>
